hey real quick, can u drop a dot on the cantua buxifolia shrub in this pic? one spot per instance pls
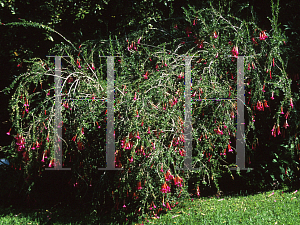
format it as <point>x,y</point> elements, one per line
<point>149,109</point>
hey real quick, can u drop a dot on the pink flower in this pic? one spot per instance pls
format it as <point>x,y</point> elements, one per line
<point>134,96</point>
<point>235,51</point>
<point>278,130</point>
<point>178,181</point>
<point>139,41</point>
<point>8,133</point>
<point>165,188</point>
<point>168,206</point>
<point>139,185</point>
<point>176,26</point>
<point>161,169</point>
<point>146,75</point>
<point>215,35</point>
<point>273,131</point>
<point>168,176</point>
<point>138,137</point>
<point>124,206</point>
<point>272,95</point>
<point>52,163</point>
<point>131,160</point>
<point>259,106</point>
<point>218,131</point>
<point>286,124</point>
<point>229,148</point>
<point>43,159</point>
<point>291,103</point>
<point>153,145</point>
<point>262,35</point>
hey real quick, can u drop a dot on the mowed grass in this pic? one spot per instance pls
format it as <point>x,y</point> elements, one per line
<point>272,207</point>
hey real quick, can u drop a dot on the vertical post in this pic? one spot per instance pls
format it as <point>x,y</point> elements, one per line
<point>240,136</point>
<point>110,139</point>
<point>188,114</point>
<point>57,118</point>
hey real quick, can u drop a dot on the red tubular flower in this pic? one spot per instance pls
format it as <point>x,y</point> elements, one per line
<point>139,185</point>
<point>146,75</point>
<point>182,152</point>
<point>262,35</point>
<point>188,31</point>
<point>177,181</point>
<point>168,176</point>
<point>278,130</point>
<point>229,148</point>
<point>162,168</point>
<point>168,206</point>
<point>259,106</point>
<point>272,95</point>
<point>273,131</point>
<point>198,191</point>
<point>78,63</point>
<point>215,35</point>
<point>286,124</point>
<point>291,103</point>
<point>138,137</point>
<point>165,188</point>
<point>235,51</point>
<point>52,163</point>
<point>266,104</point>
<point>8,133</point>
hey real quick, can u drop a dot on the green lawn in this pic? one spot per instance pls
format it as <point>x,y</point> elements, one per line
<point>261,208</point>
